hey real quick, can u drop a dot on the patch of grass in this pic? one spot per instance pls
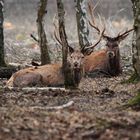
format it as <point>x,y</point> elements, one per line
<point>133,79</point>
<point>135,101</point>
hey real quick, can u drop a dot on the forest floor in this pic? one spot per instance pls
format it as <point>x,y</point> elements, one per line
<point>94,112</point>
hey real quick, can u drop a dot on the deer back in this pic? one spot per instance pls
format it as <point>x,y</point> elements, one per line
<point>94,61</point>
<point>50,74</point>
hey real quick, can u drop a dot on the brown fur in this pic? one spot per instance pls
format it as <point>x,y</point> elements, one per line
<point>52,74</point>
<point>99,61</point>
<point>106,61</point>
<point>49,75</point>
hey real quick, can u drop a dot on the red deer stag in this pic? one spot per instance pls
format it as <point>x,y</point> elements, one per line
<point>51,74</point>
<point>105,61</point>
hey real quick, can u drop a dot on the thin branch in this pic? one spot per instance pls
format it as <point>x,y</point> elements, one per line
<point>34,38</point>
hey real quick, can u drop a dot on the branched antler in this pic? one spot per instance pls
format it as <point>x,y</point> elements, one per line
<point>123,35</point>
<point>92,46</point>
<point>56,33</point>
<point>92,23</point>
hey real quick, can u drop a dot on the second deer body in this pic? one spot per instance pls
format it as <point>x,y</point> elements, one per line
<point>106,61</point>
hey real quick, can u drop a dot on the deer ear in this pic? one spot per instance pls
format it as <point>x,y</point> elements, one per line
<point>70,49</point>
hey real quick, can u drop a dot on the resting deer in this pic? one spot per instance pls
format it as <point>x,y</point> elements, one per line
<point>52,74</point>
<point>106,61</point>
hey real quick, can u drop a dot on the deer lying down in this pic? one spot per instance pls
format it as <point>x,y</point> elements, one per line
<point>106,61</point>
<point>51,74</point>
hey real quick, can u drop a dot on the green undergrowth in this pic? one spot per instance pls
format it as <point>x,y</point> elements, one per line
<point>134,78</point>
<point>135,100</point>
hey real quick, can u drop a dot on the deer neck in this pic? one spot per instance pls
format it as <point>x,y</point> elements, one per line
<point>77,75</point>
<point>113,65</point>
<point>73,76</point>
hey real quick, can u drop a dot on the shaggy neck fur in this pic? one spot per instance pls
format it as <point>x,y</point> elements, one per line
<point>73,76</point>
<point>113,66</point>
<point>77,75</point>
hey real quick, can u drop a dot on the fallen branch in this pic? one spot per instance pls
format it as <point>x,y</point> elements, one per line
<point>70,103</point>
<point>35,89</point>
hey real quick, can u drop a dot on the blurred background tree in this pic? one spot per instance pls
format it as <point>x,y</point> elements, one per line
<point>45,58</point>
<point>136,52</point>
<point>2,61</point>
<point>135,102</point>
<point>136,40</point>
<point>82,25</point>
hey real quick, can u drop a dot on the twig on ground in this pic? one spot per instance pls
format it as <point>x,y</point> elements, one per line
<point>70,103</point>
<point>32,89</point>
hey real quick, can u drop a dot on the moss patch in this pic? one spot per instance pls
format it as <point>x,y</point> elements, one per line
<point>135,101</point>
<point>133,79</point>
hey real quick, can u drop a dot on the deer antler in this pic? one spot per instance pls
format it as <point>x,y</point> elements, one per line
<point>57,37</point>
<point>124,34</point>
<point>92,46</point>
<point>93,23</point>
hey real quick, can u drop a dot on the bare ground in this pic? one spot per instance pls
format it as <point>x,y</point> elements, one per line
<point>97,112</point>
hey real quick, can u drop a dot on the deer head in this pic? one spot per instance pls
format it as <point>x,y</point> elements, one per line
<point>112,44</point>
<point>76,57</point>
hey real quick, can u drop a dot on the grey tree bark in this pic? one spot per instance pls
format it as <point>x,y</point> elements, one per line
<point>2,61</point>
<point>45,58</point>
<point>62,32</point>
<point>68,74</point>
<point>136,38</point>
<point>82,25</point>
<point>136,51</point>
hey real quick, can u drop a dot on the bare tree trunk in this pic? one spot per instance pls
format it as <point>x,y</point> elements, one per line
<point>82,26</point>
<point>45,58</point>
<point>2,61</point>
<point>136,38</point>
<point>136,51</point>
<point>68,74</point>
<point>62,32</point>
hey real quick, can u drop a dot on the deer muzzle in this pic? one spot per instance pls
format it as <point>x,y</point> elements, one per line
<point>111,54</point>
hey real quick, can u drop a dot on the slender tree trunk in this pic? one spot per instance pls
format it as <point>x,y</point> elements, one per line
<point>2,61</point>
<point>68,73</point>
<point>63,37</point>
<point>136,51</point>
<point>136,38</point>
<point>45,58</point>
<point>62,32</point>
<point>82,25</point>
